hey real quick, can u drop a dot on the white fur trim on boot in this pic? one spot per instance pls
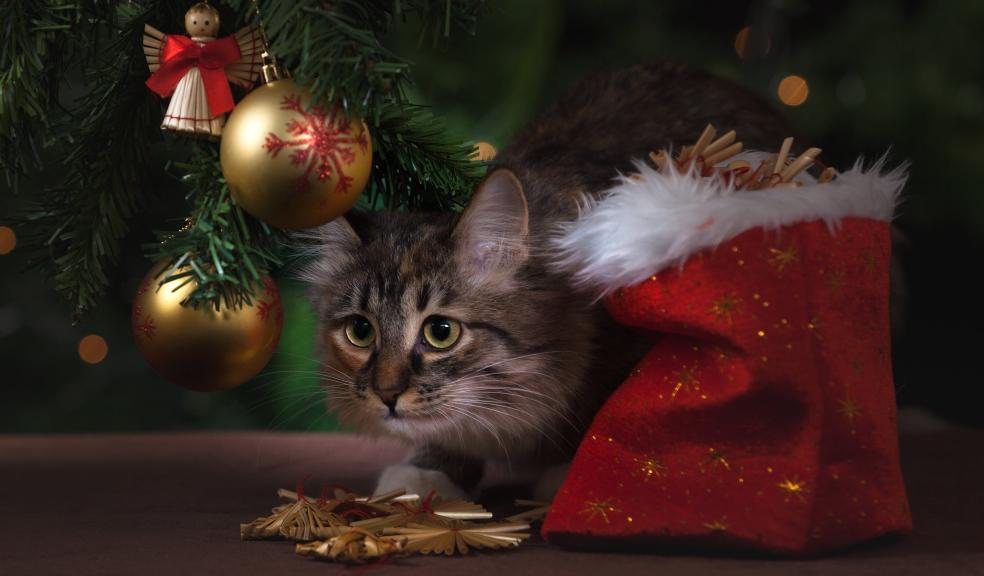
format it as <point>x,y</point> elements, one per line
<point>653,220</point>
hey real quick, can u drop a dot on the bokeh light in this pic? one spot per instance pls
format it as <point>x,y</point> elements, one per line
<point>93,349</point>
<point>8,240</point>
<point>484,152</point>
<point>749,45</point>
<point>793,90</point>
<point>741,42</point>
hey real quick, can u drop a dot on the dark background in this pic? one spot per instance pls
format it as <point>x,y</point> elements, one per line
<point>902,77</point>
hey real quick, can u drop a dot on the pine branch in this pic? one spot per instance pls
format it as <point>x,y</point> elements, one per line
<point>223,249</point>
<point>417,165</point>
<point>77,226</point>
<point>35,35</point>
<point>437,18</point>
<point>334,48</point>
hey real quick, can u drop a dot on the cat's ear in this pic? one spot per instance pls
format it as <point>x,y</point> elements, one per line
<point>326,248</point>
<point>338,233</point>
<point>491,236</point>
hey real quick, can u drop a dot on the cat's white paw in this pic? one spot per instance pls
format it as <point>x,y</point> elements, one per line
<point>549,482</point>
<point>418,481</point>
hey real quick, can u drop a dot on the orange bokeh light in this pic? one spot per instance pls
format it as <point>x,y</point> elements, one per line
<point>484,152</point>
<point>8,240</point>
<point>741,42</point>
<point>793,90</point>
<point>93,349</point>
<point>749,45</point>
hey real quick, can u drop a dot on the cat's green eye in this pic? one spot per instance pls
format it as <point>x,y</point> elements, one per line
<point>360,332</point>
<point>441,332</point>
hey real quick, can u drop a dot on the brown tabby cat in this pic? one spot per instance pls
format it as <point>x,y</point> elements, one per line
<point>454,333</point>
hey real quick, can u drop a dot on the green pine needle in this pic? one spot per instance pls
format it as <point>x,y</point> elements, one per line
<point>223,249</point>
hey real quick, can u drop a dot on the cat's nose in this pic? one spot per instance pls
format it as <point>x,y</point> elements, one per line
<point>389,396</point>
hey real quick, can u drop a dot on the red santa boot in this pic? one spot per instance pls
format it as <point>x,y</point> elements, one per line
<point>764,418</point>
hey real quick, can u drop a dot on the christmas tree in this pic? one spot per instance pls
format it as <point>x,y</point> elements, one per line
<point>74,103</point>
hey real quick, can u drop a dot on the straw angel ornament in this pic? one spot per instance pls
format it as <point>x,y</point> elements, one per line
<point>195,70</point>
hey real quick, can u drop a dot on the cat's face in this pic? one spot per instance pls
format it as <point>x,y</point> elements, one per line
<point>428,328</point>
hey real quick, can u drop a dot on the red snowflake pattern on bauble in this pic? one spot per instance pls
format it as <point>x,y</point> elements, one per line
<point>147,328</point>
<point>141,325</point>
<point>318,141</point>
<point>274,307</point>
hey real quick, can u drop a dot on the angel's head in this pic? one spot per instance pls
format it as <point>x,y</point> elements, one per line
<point>202,20</point>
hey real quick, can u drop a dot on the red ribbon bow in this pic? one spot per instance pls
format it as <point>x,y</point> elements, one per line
<point>181,54</point>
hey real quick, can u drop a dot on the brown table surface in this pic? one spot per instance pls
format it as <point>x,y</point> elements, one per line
<point>172,503</point>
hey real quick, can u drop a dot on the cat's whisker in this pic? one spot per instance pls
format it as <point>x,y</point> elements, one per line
<point>346,408</point>
<point>319,392</point>
<point>547,433</point>
<point>519,393</point>
<point>488,426</point>
<point>340,378</point>
<point>469,395</point>
<point>287,395</point>
<point>270,380</point>
<point>474,376</point>
<point>283,417</point>
<point>521,357</point>
<point>505,384</point>
<point>321,363</point>
<point>494,406</point>
<point>338,372</point>
<point>522,393</point>
<point>454,422</point>
<point>282,395</point>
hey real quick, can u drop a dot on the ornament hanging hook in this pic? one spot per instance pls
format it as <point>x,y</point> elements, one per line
<point>271,69</point>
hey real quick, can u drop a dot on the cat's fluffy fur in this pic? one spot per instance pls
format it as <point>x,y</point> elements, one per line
<point>537,356</point>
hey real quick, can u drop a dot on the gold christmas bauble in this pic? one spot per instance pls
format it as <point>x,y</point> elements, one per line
<point>204,349</point>
<point>290,164</point>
